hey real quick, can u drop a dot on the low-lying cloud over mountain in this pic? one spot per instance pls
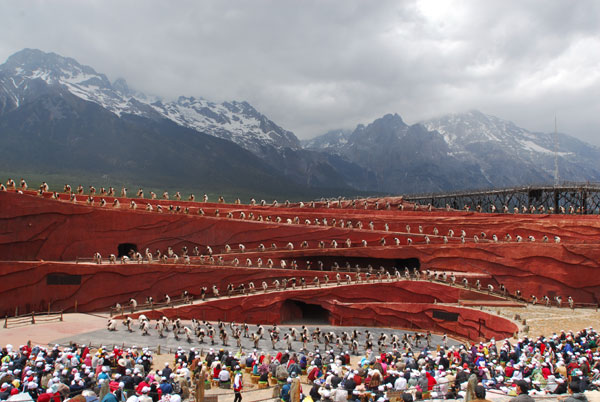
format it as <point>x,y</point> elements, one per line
<point>45,89</point>
<point>60,114</point>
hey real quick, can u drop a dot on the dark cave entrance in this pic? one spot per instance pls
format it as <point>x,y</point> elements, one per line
<point>413,264</point>
<point>297,312</point>
<point>125,249</point>
<point>350,263</point>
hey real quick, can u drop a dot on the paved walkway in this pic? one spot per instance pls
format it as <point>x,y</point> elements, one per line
<point>44,333</point>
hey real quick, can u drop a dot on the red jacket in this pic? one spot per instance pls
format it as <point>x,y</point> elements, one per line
<point>141,385</point>
<point>430,381</point>
<point>45,397</point>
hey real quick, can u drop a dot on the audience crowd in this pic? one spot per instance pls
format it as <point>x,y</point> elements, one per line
<point>565,364</point>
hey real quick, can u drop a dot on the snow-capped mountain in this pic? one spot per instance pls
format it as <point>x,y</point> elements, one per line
<point>65,116</point>
<point>492,142</point>
<point>332,140</point>
<point>467,150</point>
<point>234,121</point>
<point>463,130</point>
<point>403,158</point>
<point>56,104</point>
<point>238,122</point>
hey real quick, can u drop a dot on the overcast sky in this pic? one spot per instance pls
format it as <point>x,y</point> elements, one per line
<point>312,66</point>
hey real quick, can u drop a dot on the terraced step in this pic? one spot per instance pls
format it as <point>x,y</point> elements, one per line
<point>491,303</point>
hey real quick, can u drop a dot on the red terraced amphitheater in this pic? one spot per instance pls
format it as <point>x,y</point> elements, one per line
<point>378,262</point>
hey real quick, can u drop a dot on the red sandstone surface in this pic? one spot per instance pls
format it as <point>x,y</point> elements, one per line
<point>39,228</point>
<point>34,228</point>
<point>405,304</point>
<point>102,286</point>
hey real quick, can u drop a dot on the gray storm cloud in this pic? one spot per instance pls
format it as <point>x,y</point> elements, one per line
<point>312,66</point>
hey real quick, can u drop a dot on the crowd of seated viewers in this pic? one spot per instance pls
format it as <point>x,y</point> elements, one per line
<point>566,364</point>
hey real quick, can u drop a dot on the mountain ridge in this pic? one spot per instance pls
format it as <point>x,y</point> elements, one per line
<point>495,152</point>
<point>44,93</point>
<point>238,122</point>
<point>21,78</point>
<point>57,131</point>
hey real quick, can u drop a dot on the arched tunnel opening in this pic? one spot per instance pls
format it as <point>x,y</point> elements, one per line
<point>126,249</point>
<point>312,263</point>
<point>298,312</point>
<point>413,264</point>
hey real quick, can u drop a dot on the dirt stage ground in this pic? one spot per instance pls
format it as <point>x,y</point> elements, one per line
<point>545,321</point>
<point>540,320</point>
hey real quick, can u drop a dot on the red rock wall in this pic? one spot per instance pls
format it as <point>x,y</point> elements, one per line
<point>24,285</point>
<point>355,305</point>
<point>34,228</point>
<point>533,268</point>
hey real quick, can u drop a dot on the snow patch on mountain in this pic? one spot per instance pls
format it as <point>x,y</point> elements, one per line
<point>235,121</point>
<point>331,141</point>
<point>463,130</point>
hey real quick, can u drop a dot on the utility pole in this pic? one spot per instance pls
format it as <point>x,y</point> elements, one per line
<point>556,177</point>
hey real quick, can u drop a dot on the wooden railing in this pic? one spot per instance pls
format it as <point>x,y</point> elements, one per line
<point>150,306</point>
<point>33,318</point>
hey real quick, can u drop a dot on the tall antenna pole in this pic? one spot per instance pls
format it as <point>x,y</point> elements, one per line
<point>556,178</point>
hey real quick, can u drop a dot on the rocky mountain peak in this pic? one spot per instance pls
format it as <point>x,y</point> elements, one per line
<point>235,121</point>
<point>53,68</point>
<point>333,140</point>
<point>31,59</point>
<point>390,120</point>
<point>461,129</point>
<point>120,85</point>
<point>460,150</point>
<point>385,128</point>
